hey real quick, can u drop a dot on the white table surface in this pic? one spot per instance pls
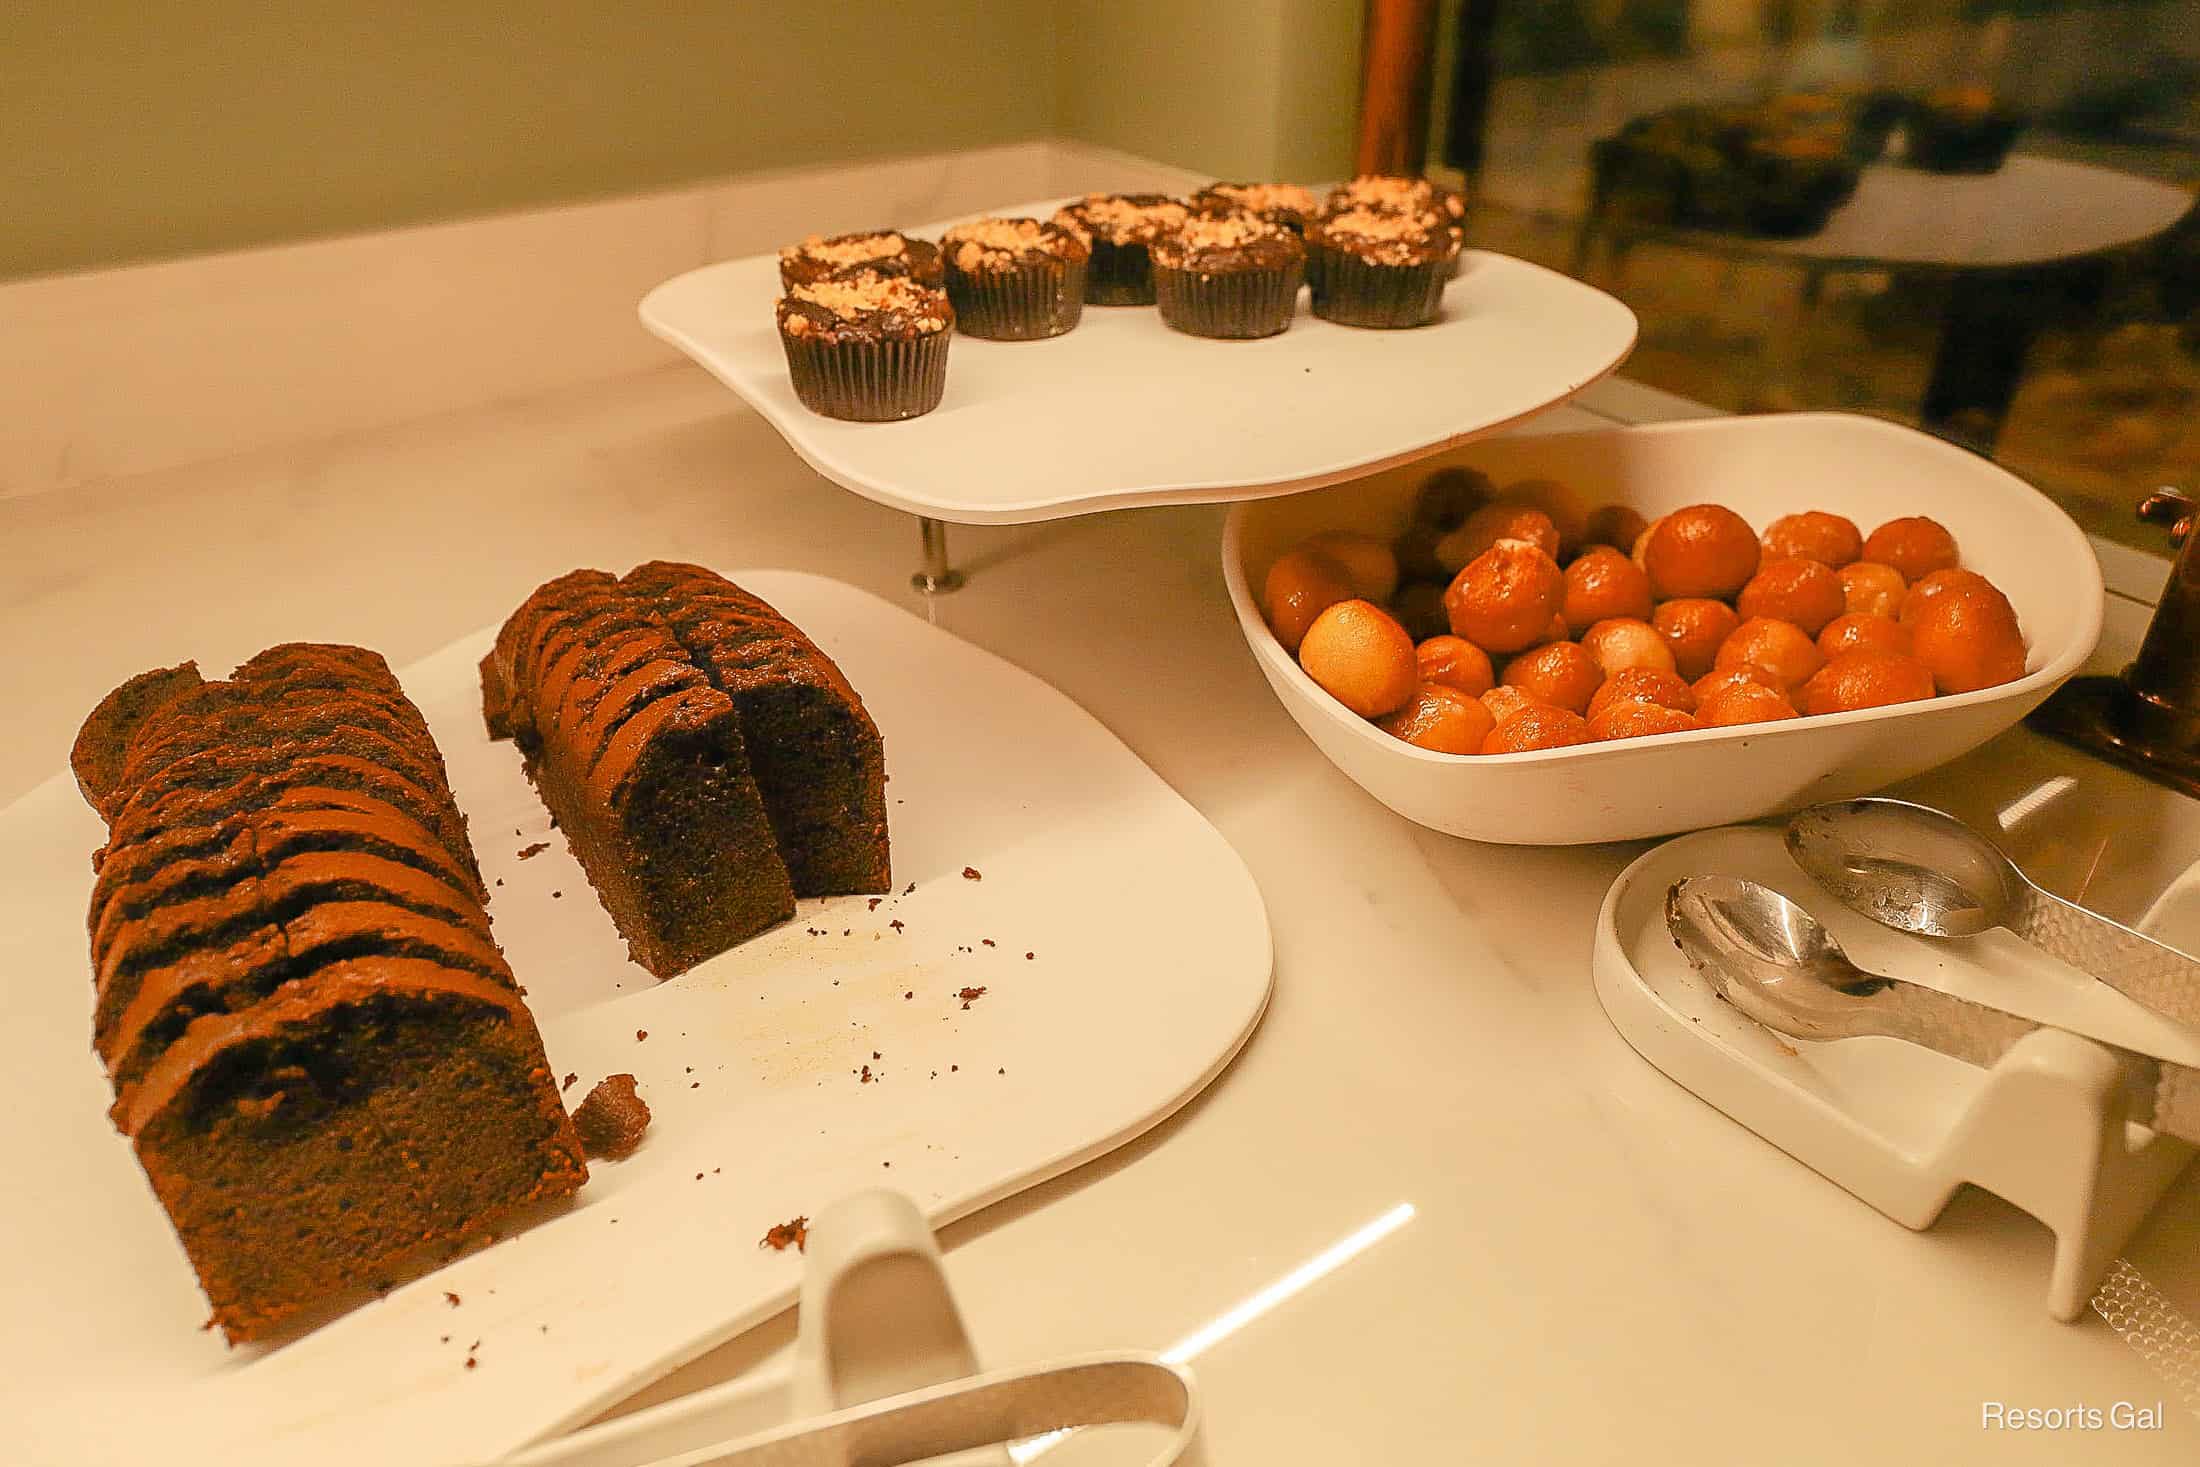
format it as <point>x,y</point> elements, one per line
<point>1596,1267</point>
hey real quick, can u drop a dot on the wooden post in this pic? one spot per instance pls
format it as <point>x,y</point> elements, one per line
<point>1395,80</point>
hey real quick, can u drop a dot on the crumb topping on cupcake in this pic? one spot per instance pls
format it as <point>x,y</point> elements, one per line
<point>865,305</point>
<point>879,251</point>
<point>850,249</point>
<point>1386,192</point>
<point>1123,218</point>
<point>1005,244</point>
<point>1270,199</point>
<point>1388,238</point>
<point>1226,241</point>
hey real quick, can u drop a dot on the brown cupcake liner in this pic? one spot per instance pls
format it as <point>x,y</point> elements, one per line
<point>1029,303</point>
<point>868,381</point>
<point>1356,292</point>
<point>1235,305</point>
<point>1119,275</point>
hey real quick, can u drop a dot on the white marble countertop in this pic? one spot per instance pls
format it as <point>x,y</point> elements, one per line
<point>1597,1267</point>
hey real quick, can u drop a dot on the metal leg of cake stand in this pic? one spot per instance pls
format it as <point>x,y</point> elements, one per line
<point>938,577</point>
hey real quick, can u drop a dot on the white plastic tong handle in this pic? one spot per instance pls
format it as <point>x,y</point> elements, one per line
<point>884,1374</point>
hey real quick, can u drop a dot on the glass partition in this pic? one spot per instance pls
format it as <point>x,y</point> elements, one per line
<point>1972,215</point>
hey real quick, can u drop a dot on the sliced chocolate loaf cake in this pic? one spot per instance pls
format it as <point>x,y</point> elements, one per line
<point>708,763</point>
<point>316,1047</point>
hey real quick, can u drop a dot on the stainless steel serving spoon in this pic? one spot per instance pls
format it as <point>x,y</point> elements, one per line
<point>1918,870</point>
<point>1776,963</point>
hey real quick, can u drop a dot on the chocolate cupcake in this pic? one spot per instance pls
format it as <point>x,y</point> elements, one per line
<point>1120,229</point>
<point>1388,270</point>
<point>876,251</point>
<point>1232,275</point>
<point>867,348</point>
<point>1015,279</point>
<point>1386,193</point>
<point>1279,203</point>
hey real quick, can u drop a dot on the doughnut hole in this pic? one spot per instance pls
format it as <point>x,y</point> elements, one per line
<point>1830,539</point>
<point>1852,633</point>
<point>1490,524</point>
<point>1865,679</point>
<point>1601,584</point>
<point>1721,680</point>
<point>1442,719</point>
<point>1503,702</point>
<point>1643,685</point>
<point>1569,515</point>
<point>1779,647</point>
<point>1419,607</point>
<point>1615,525</point>
<point>1969,639</point>
<point>1456,663</point>
<point>1537,727</point>
<point>1300,586</point>
<point>1744,703</point>
<point>1561,674</point>
<point>1913,545</point>
<point>1506,598</point>
<point>1622,643</point>
<point>1703,550</point>
<point>1940,583</point>
<point>1448,496</point>
<point>1872,589</point>
<point>1369,564</point>
<point>1361,657</point>
<point>1415,549</point>
<point>1629,719</point>
<point>1694,627</point>
<point>1805,592</point>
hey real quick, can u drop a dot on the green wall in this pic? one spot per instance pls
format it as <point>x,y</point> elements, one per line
<point>1238,88</point>
<point>135,130</point>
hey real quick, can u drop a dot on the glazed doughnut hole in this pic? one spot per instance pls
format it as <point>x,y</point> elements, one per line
<point>1506,599</point>
<point>1361,657</point>
<point>1602,584</point>
<point>1628,719</point>
<point>1872,589</point>
<point>1419,607</point>
<point>1369,564</point>
<point>1940,583</point>
<point>1866,633</point>
<point>1703,550</point>
<point>1568,515</point>
<point>1720,680</point>
<point>1561,674</point>
<point>1969,639</point>
<point>1442,719</point>
<point>1537,726</point>
<point>1486,526</point>
<point>1779,647</point>
<point>1805,592</point>
<point>1449,495</point>
<point>1693,627</point>
<point>1744,703</point>
<point>1456,663</point>
<point>1615,525</point>
<point>1830,539</point>
<point>1643,685</point>
<point>1504,701</point>
<point>1301,585</point>
<point>1865,680</point>
<point>1622,643</point>
<point>1914,545</point>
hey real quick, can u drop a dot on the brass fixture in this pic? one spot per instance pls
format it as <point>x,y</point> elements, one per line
<point>2147,718</point>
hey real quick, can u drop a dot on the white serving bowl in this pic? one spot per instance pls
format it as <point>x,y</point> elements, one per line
<point>1761,467</point>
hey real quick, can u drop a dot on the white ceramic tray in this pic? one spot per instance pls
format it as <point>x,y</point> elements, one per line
<point>1123,411</point>
<point>1899,1125</point>
<point>1150,964</point>
<point>1762,467</point>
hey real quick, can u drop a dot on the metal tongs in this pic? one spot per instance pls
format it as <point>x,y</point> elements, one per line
<point>1915,869</point>
<point>884,1373</point>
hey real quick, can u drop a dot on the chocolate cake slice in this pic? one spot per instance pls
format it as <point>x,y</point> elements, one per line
<point>707,761</point>
<point>316,1047</point>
